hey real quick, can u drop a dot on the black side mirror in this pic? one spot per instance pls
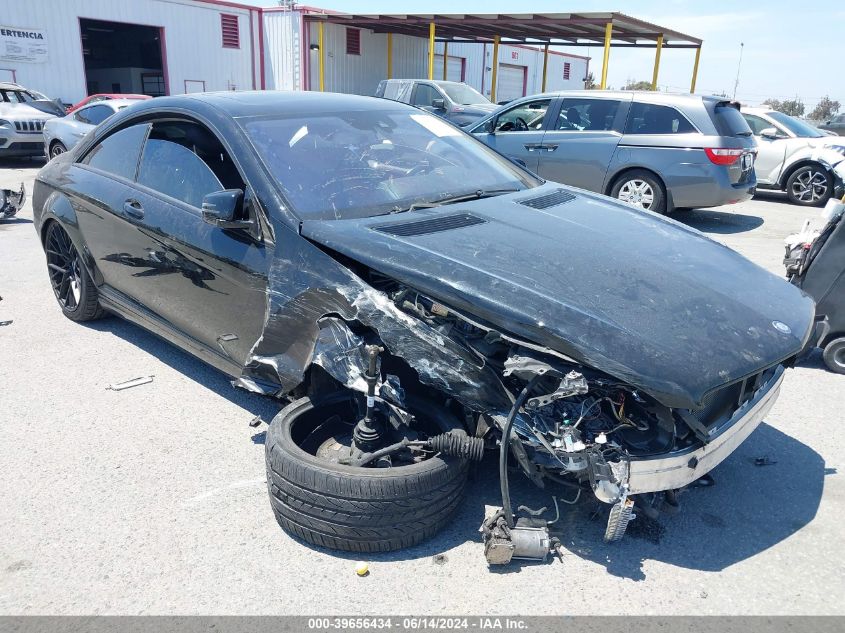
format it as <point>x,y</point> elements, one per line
<point>438,104</point>
<point>221,207</point>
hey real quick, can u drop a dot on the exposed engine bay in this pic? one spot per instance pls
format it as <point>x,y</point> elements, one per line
<point>569,425</point>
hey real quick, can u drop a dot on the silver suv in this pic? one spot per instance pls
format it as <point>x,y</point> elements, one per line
<point>22,117</point>
<point>654,150</point>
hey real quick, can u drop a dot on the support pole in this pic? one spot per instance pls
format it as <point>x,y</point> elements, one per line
<point>431,50</point>
<point>608,32</point>
<point>322,53</point>
<point>545,66</point>
<point>390,55</point>
<point>445,60</point>
<point>657,62</point>
<point>695,69</point>
<point>495,68</point>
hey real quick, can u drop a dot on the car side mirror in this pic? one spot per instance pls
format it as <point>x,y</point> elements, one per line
<point>438,104</point>
<point>220,209</point>
<point>770,133</point>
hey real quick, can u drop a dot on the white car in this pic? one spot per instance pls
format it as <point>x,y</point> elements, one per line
<point>61,134</point>
<point>793,156</point>
<point>23,114</point>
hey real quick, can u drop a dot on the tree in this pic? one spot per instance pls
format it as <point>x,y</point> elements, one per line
<point>590,82</point>
<point>637,85</point>
<point>825,110</point>
<point>792,107</point>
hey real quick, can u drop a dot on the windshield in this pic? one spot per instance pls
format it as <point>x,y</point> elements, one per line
<point>463,94</point>
<point>16,96</point>
<point>373,162</point>
<point>796,126</point>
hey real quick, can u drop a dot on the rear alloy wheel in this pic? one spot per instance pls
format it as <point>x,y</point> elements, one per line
<point>834,355</point>
<point>318,497</point>
<point>640,189</point>
<point>73,287</point>
<point>57,148</point>
<point>809,186</point>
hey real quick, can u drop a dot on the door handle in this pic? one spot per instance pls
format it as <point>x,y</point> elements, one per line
<point>531,147</point>
<point>133,208</point>
<point>550,148</point>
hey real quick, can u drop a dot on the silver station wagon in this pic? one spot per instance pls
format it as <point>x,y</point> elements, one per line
<point>654,150</point>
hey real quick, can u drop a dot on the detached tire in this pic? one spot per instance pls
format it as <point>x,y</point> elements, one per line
<point>834,355</point>
<point>352,508</point>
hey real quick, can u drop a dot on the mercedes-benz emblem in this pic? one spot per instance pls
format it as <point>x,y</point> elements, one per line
<point>780,326</point>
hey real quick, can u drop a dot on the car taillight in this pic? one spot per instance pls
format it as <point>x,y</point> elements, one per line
<point>723,156</point>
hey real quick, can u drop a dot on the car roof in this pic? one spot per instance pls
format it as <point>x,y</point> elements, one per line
<point>270,102</point>
<point>8,85</point>
<point>119,95</point>
<point>643,95</point>
<point>753,110</point>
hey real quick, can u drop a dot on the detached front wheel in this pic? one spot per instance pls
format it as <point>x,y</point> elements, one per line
<point>325,502</point>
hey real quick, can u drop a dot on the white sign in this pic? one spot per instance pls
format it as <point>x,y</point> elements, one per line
<point>18,44</point>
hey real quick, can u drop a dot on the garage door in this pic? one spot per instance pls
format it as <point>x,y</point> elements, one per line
<point>511,82</point>
<point>455,70</point>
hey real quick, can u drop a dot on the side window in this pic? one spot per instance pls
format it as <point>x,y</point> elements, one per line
<point>525,117</point>
<point>425,95</point>
<point>94,115</point>
<point>118,153</point>
<point>185,161</point>
<point>587,114</point>
<point>756,123</point>
<point>649,118</point>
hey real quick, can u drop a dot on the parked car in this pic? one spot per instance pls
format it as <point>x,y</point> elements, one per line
<point>835,124</point>
<point>790,156</point>
<point>654,150</point>
<point>418,299</point>
<point>23,114</point>
<point>62,133</point>
<point>105,97</point>
<point>456,102</point>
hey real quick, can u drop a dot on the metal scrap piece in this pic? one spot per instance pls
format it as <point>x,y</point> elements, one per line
<point>128,384</point>
<point>11,201</point>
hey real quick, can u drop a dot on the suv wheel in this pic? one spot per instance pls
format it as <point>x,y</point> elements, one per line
<point>642,189</point>
<point>809,186</point>
<point>57,148</point>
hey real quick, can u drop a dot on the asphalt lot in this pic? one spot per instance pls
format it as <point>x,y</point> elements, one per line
<point>152,500</point>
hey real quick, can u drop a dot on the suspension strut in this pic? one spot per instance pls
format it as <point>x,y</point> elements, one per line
<point>369,429</point>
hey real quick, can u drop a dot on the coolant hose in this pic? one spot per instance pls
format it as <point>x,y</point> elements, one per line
<point>504,449</point>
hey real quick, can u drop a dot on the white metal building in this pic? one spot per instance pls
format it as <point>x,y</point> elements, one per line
<point>71,48</point>
<point>356,60</point>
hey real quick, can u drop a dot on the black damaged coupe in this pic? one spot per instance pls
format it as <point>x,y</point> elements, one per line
<point>417,301</point>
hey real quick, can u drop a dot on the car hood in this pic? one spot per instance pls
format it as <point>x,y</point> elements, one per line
<point>22,111</point>
<point>647,300</point>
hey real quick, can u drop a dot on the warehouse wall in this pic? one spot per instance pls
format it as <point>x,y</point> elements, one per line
<point>193,42</point>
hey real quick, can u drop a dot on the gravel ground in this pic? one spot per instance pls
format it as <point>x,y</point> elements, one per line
<point>152,500</point>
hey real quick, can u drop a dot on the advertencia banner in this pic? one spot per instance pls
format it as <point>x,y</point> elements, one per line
<point>18,44</point>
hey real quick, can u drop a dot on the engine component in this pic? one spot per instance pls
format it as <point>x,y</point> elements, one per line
<point>462,446</point>
<point>369,429</point>
<point>11,201</point>
<point>528,539</point>
<point>621,514</point>
<point>572,384</point>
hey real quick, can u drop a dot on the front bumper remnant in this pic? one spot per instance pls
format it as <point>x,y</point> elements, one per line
<point>11,201</point>
<point>681,469</point>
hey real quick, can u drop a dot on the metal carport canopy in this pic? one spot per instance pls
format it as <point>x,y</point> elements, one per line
<point>610,30</point>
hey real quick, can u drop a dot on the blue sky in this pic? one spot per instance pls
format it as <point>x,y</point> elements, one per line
<point>790,48</point>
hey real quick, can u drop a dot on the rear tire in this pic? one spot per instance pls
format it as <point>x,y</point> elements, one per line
<point>353,508</point>
<point>834,355</point>
<point>809,186</point>
<point>74,289</point>
<point>640,188</point>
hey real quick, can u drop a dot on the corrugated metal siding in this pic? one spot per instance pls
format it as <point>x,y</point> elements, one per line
<point>193,40</point>
<point>283,46</point>
<point>360,74</point>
